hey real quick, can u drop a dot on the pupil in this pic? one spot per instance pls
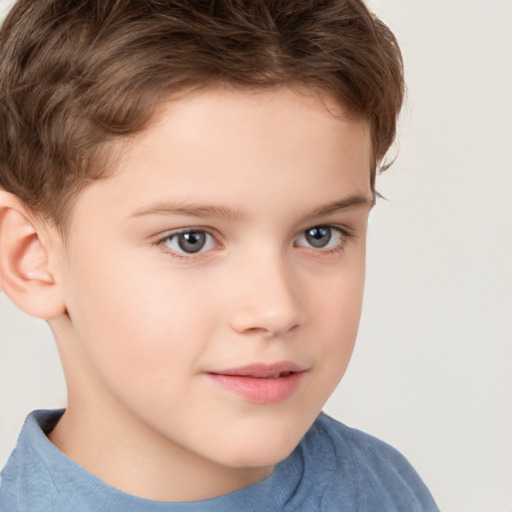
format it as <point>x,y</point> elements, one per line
<point>191,242</point>
<point>319,236</point>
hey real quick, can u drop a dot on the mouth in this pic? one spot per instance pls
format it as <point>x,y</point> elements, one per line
<point>261,383</point>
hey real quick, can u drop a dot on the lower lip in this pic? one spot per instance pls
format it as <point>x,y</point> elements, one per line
<point>260,390</point>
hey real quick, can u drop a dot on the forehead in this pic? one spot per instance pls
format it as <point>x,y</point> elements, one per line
<point>234,145</point>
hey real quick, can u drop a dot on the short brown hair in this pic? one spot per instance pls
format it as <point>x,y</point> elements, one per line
<point>76,74</point>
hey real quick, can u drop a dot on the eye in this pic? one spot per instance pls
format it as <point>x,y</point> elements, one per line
<point>189,242</point>
<point>321,237</point>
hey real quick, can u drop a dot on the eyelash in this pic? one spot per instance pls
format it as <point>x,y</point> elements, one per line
<point>344,234</point>
<point>182,255</point>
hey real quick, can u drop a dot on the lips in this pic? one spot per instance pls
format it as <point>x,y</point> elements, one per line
<point>261,383</point>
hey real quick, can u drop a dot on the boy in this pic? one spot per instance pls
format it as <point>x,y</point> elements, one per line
<point>185,192</point>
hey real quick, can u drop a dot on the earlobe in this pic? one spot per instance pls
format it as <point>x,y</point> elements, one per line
<point>25,275</point>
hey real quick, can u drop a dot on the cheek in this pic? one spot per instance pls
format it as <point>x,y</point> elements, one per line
<point>338,299</point>
<point>337,312</point>
<point>137,327</point>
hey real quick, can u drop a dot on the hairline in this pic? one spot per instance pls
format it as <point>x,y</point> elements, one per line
<point>107,156</point>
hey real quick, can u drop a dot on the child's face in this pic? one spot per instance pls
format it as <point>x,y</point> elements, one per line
<point>232,235</point>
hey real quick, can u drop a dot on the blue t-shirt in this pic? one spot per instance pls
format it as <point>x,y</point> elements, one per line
<point>333,469</point>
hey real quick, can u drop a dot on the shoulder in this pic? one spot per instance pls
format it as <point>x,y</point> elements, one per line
<point>364,469</point>
<point>25,482</point>
<point>362,447</point>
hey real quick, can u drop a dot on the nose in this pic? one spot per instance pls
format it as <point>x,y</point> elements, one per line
<point>267,299</point>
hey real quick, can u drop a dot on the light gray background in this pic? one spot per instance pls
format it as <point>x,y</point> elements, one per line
<point>431,373</point>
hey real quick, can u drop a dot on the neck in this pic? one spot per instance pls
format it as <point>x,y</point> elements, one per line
<point>134,459</point>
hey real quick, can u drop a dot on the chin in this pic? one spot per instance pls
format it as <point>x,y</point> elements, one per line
<point>258,451</point>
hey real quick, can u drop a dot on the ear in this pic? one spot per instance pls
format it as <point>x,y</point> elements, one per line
<point>25,275</point>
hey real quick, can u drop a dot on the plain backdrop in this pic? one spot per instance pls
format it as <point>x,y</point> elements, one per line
<point>431,373</point>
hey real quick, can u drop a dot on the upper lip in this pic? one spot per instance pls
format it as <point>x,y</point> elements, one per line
<point>262,370</point>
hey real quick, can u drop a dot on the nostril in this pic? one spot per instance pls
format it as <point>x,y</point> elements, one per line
<point>267,318</point>
<point>269,332</point>
<point>257,331</point>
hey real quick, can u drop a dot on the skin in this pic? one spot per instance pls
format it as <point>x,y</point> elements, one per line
<point>143,323</point>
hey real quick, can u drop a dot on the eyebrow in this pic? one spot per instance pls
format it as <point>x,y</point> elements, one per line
<point>225,213</point>
<point>190,210</point>
<point>355,201</point>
